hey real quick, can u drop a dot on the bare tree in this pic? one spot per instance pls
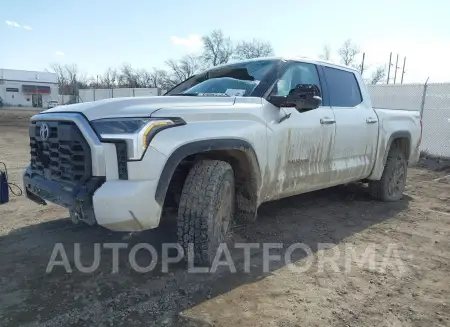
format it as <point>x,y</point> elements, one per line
<point>60,74</point>
<point>348,52</point>
<point>143,78</point>
<point>217,49</point>
<point>378,75</point>
<point>92,83</point>
<point>183,69</point>
<point>128,77</point>
<point>253,49</point>
<point>109,78</point>
<point>70,79</point>
<point>158,78</point>
<point>326,53</point>
<point>75,77</point>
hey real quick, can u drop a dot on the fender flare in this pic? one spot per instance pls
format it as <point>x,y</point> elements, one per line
<point>394,136</point>
<point>200,147</point>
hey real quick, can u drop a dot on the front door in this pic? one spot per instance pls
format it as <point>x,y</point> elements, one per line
<point>356,137</point>
<point>304,139</point>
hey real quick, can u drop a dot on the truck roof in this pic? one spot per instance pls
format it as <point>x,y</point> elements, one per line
<point>299,59</point>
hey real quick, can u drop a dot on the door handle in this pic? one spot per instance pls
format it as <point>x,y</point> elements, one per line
<point>327,121</point>
<point>371,120</point>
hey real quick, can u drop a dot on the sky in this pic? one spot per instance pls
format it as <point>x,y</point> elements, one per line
<point>99,34</point>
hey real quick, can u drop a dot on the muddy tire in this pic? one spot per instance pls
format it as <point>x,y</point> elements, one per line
<point>393,181</point>
<point>206,209</point>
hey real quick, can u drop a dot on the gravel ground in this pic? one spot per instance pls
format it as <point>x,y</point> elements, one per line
<point>413,290</point>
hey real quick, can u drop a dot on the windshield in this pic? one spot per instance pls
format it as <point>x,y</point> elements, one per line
<point>239,79</point>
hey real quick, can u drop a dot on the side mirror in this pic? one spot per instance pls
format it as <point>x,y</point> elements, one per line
<point>303,97</point>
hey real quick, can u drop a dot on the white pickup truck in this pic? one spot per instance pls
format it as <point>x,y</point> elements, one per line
<point>218,145</point>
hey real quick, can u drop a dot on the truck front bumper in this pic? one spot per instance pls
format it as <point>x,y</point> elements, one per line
<point>127,205</point>
<point>103,197</point>
<point>118,205</point>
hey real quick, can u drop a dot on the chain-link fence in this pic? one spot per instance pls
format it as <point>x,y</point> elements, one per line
<point>432,100</point>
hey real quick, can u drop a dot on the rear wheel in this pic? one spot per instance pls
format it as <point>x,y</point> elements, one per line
<point>206,209</point>
<point>393,181</point>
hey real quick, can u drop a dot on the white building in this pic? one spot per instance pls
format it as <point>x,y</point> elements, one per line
<point>27,88</point>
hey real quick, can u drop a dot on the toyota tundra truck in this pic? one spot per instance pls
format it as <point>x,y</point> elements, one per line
<point>218,145</point>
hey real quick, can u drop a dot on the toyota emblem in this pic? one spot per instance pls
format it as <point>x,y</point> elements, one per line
<point>44,132</point>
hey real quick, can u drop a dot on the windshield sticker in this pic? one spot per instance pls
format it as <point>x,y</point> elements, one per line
<point>235,92</point>
<point>212,94</point>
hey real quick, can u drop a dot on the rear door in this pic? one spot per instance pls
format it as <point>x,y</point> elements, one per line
<point>356,136</point>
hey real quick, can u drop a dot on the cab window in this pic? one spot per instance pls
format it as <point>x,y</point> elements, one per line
<point>343,88</point>
<point>297,73</point>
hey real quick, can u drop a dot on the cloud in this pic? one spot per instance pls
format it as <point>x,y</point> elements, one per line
<point>193,41</point>
<point>12,23</point>
<point>59,54</point>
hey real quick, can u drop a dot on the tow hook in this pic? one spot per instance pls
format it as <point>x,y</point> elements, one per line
<point>74,216</point>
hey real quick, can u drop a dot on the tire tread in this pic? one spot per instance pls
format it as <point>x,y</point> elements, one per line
<point>199,200</point>
<point>378,189</point>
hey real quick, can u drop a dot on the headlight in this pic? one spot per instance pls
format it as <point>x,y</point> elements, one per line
<point>119,126</point>
<point>135,132</point>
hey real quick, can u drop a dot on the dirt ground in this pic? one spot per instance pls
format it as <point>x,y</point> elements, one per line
<point>416,295</point>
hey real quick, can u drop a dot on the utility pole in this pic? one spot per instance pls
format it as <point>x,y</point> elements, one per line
<point>389,68</point>
<point>424,95</point>
<point>362,63</point>
<point>95,86</point>
<point>396,67</point>
<point>403,71</point>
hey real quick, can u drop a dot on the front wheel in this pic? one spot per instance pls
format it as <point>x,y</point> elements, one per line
<point>393,181</point>
<point>206,209</point>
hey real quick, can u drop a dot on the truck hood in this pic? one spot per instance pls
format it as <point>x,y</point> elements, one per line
<point>140,106</point>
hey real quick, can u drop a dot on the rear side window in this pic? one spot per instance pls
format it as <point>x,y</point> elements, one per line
<point>343,88</point>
